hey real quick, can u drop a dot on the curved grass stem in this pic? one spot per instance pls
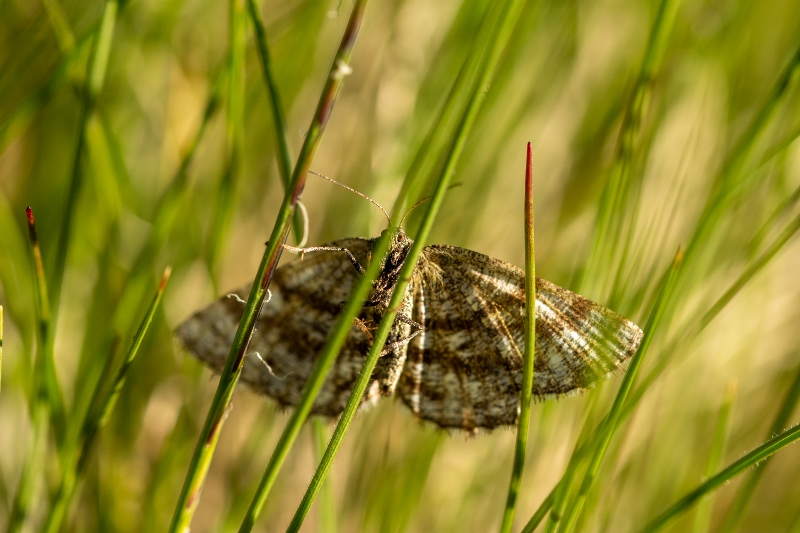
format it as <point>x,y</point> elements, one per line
<point>204,450</point>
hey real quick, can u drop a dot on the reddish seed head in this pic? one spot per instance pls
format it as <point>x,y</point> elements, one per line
<point>29,214</point>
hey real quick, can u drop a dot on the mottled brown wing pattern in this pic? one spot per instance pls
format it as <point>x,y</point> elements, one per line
<point>465,369</point>
<point>292,330</point>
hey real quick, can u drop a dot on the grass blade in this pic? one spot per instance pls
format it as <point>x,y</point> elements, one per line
<point>336,339</point>
<point>1,348</point>
<point>702,520</point>
<point>611,209</point>
<point>530,349</point>
<point>234,133</point>
<point>499,42</point>
<point>608,428</point>
<point>700,322</point>
<point>204,450</point>
<point>77,459</point>
<point>328,504</point>
<point>753,458</point>
<point>278,116</point>
<point>739,505</point>
<point>39,401</point>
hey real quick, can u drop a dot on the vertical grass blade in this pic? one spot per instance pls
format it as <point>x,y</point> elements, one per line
<point>39,402</point>
<point>93,84</point>
<point>98,62</point>
<point>204,450</point>
<point>278,116</point>
<point>76,460</point>
<point>728,180</point>
<point>751,459</point>
<point>500,39</point>
<point>613,202</point>
<point>608,428</point>
<point>737,509</point>
<point>701,321</point>
<point>702,520</point>
<point>529,356</point>
<point>327,522</point>
<point>1,348</point>
<point>234,132</point>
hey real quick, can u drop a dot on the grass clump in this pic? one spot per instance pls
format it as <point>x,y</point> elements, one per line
<point>145,134</point>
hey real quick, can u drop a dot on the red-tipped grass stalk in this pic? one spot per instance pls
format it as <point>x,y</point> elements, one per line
<point>529,357</point>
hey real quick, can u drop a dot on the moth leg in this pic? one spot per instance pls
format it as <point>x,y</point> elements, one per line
<point>363,327</point>
<point>303,251</point>
<point>412,323</point>
<point>405,340</point>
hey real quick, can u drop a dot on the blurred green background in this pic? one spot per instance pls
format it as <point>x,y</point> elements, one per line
<point>714,150</point>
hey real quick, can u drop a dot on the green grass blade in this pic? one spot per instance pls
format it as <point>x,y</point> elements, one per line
<point>1,348</point>
<point>608,428</point>
<point>39,405</point>
<point>501,37</point>
<point>699,323</point>
<point>77,459</point>
<point>616,191</point>
<point>327,522</point>
<point>702,520</point>
<point>98,62</point>
<point>201,459</point>
<point>540,512</point>
<point>529,356</point>
<point>728,182</point>
<point>229,184</point>
<point>751,459</point>
<point>737,509</point>
<point>278,116</point>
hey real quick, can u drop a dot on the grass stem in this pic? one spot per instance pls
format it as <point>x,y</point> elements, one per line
<point>204,450</point>
<point>278,115</point>
<point>77,459</point>
<point>737,467</point>
<point>529,357</point>
<point>736,511</point>
<point>39,401</point>
<point>608,428</point>
<point>500,39</point>
<point>702,519</point>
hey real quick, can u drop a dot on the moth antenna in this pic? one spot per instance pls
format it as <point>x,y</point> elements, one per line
<point>355,192</point>
<point>419,203</point>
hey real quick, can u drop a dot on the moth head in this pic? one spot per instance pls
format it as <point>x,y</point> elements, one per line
<point>398,236</point>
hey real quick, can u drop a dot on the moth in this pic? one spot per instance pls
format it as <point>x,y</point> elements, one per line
<point>454,355</point>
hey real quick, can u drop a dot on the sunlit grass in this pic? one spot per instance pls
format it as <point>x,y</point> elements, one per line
<point>153,133</point>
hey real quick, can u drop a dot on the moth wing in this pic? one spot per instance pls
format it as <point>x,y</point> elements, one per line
<point>465,369</point>
<point>291,331</point>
